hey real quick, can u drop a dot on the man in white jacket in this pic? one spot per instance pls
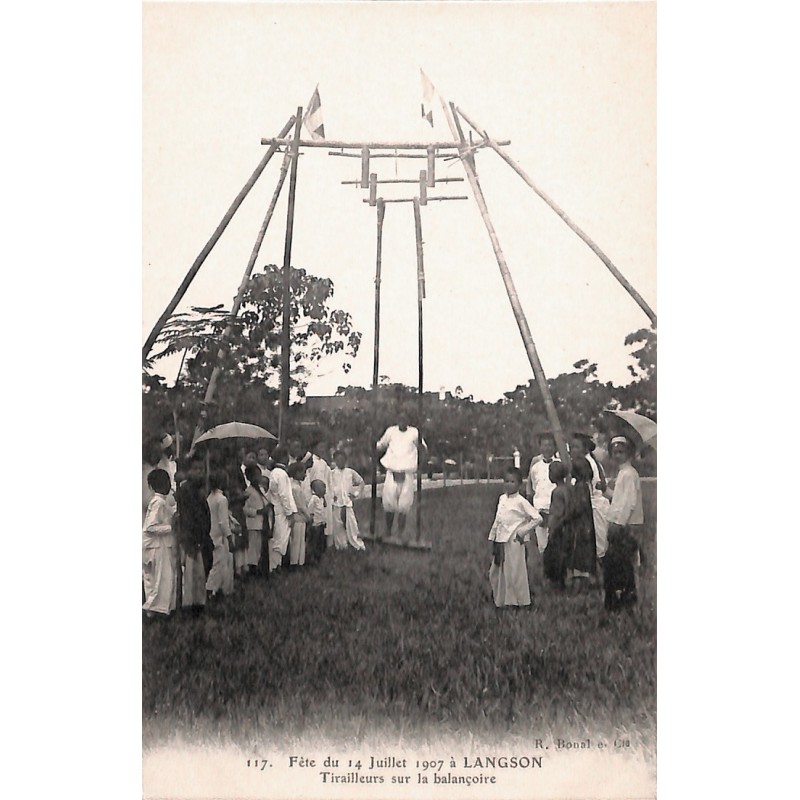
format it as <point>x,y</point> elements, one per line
<point>401,444</point>
<point>282,499</point>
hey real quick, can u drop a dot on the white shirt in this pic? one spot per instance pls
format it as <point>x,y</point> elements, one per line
<point>514,515</point>
<point>346,484</point>
<point>157,526</point>
<point>220,524</point>
<point>626,504</point>
<point>541,485</point>
<point>316,510</point>
<point>280,492</point>
<point>401,448</point>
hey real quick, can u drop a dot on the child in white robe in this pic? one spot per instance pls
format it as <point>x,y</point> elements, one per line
<point>159,549</point>
<point>297,539</point>
<point>513,523</point>
<point>319,512</point>
<point>220,577</point>
<point>346,485</point>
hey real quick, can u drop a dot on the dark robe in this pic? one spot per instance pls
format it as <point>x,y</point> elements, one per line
<point>619,582</point>
<point>554,558</point>
<point>580,544</point>
<point>195,523</point>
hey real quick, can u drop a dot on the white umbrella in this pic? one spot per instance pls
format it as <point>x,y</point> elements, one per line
<point>234,430</point>
<point>644,427</point>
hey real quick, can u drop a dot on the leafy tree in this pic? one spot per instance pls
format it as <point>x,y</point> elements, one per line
<point>250,361</point>
<point>640,394</point>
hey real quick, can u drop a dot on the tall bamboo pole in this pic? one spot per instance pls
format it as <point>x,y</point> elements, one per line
<point>420,409</point>
<point>641,302</point>
<point>198,262</point>
<point>376,349</point>
<point>513,297</point>
<point>237,303</point>
<point>287,280</point>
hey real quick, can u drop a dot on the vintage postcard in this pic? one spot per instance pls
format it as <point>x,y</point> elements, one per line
<point>399,400</point>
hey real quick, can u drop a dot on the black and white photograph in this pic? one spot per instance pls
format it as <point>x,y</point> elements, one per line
<point>399,404</point>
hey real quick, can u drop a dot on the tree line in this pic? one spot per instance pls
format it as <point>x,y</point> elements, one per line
<point>456,427</point>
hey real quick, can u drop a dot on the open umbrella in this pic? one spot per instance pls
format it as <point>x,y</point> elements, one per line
<point>235,430</point>
<point>644,427</point>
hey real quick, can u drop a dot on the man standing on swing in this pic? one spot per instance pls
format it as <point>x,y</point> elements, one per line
<point>401,444</point>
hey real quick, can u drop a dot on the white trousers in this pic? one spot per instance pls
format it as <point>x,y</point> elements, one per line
<point>297,544</point>
<point>160,579</point>
<point>221,576</point>
<point>279,541</point>
<point>346,533</point>
<point>398,495</point>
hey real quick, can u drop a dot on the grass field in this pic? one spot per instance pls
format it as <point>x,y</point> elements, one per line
<point>405,646</point>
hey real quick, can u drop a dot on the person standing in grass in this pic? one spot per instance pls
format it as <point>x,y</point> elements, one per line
<point>541,486</point>
<point>255,514</point>
<point>220,578</point>
<point>195,528</point>
<point>280,495</point>
<point>297,538</point>
<point>159,553</point>
<point>554,555</point>
<point>625,517</point>
<point>580,545</point>
<point>318,510</point>
<point>513,523</point>
<point>583,446</point>
<point>346,485</point>
<point>317,469</point>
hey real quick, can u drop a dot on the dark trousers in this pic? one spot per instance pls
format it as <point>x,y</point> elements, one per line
<point>619,581</point>
<point>315,543</point>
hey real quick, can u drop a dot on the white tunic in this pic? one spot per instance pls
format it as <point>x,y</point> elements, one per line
<point>541,485</point>
<point>515,515</point>
<point>280,493</point>
<point>626,503</point>
<point>401,449</point>
<point>158,557</point>
<point>221,575</point>
<point>346,484</point>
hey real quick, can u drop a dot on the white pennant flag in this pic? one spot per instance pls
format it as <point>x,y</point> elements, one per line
<point>427,97</point>
<point>313,117</point>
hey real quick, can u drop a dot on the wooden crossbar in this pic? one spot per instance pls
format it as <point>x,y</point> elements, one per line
<point>281,142</point>
<point>412,199</point>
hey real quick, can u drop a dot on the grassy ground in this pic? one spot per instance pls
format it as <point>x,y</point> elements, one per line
<point>403,646</point>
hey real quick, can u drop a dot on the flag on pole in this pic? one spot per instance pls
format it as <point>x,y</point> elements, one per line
<point>313,117</point>
<point>427,98</point>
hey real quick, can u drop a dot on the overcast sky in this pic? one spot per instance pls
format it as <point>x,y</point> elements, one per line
<point>572,86</point>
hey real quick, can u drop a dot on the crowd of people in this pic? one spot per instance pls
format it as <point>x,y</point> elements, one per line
<point>212,521</point>
<point>215,520</point>
<point>586,527</point>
